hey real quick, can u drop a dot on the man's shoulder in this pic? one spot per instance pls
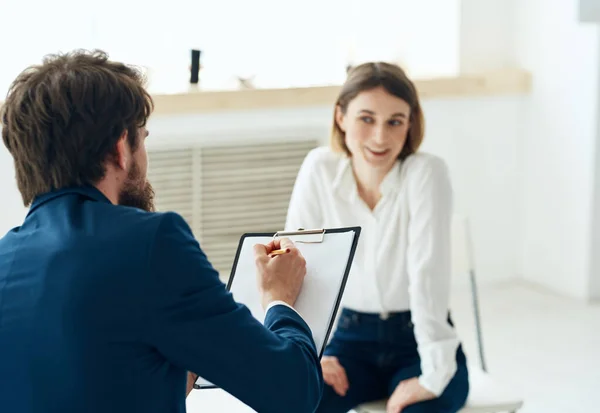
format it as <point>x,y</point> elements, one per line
<point>146,225</point>
<point>144,218</point>
<point>138,240</point>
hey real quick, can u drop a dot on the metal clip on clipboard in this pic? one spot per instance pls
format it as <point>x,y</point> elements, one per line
<point>317,235</point>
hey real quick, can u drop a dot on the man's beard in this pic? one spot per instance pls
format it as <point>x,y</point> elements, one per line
<point>137,191</point>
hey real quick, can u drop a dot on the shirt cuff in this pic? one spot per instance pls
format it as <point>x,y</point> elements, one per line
<point>277,302</point>
<point>437,381</point>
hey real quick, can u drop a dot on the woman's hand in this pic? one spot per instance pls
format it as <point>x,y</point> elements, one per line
<point>408,392</point>
<point>334,374</point>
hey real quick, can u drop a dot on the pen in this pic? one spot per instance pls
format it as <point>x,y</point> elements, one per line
<point>278,252</point>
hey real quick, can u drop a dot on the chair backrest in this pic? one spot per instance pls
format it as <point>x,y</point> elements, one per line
<point>463,265</point>
<point>462,249</point>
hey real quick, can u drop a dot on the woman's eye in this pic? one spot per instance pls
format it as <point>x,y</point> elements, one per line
<point>367,119</point>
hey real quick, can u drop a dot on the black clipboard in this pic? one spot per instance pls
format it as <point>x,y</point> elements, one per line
<point>300,237</point>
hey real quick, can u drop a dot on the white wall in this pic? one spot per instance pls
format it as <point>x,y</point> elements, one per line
<point>12,210</point>
<point>558,143</point>
<point>558,151</point>
<point>481,139</point>
<point>487,35</point>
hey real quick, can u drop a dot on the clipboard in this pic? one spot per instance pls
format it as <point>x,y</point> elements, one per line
<point>329,254</point>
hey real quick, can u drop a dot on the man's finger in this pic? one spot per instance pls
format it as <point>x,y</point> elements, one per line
<point>285,243</point>
<point>260,252</point>
<point>272,245</point>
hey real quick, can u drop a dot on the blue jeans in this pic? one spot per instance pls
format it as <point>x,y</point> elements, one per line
<point>377,355</point>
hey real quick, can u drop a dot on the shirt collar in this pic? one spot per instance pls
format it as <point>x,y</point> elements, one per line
<point>344,182</point>
<point>393,179</point>
<point>88,191</point>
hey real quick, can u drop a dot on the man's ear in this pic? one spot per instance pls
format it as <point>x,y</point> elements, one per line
<point>122,153</point>
<point>339,118</point>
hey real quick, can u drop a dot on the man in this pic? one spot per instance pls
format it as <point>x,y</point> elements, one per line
<point>105,304</point>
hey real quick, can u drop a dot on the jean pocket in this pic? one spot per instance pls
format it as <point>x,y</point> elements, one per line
<point>345,322</point>
<point>349,321</point>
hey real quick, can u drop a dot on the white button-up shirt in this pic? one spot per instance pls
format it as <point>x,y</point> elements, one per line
<point>402,261</point>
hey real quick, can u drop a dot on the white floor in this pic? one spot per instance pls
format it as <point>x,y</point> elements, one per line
<point>545,345</point>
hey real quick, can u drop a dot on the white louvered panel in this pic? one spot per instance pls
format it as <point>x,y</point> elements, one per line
<point>245,188</point>
<point>171,174</point>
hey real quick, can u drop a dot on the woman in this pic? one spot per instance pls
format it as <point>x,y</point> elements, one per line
<point>394,337</point>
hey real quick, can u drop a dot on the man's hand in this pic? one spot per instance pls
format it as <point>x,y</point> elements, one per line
<point>279,277</point>
<point>408,392</point>
<point>335,375</point>
<point>191,379</point>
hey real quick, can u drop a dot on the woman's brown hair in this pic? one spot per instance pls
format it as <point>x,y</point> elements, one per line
<point>392,78</point>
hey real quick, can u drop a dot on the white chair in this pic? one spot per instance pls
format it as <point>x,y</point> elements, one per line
<point>486,395</point>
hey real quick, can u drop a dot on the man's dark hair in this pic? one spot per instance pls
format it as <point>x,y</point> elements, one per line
<point>62,119</point>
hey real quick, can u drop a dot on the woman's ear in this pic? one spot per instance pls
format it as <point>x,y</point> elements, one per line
<point>340,118</point>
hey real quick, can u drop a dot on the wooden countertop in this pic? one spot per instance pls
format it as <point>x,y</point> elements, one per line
<point>485,84</point>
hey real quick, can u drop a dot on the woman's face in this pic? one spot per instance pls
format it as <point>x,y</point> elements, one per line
<point>376,125</point>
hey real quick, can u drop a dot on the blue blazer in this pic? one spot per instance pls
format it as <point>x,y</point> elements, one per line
<point>105,308</point>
